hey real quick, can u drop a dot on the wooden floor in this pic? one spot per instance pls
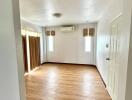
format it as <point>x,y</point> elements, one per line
<point>65,82</point>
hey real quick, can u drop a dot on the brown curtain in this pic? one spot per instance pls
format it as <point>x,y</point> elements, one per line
<point>52,33</point>
<point>85,32</point>
<point>24,44</point>
<point>48,33</point>
<point>91,31</point>
<point>34,44</point>
<point>37,49</point>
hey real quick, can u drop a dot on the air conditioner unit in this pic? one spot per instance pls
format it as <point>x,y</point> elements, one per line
<point>67,28</point>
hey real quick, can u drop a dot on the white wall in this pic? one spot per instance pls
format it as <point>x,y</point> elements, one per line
<point>69,46</point>
<point>128,17</point>
<point>44,45</point>
<point>129,72</point>
<point>103,35</point>
<point>29,26</point>
<point>11,58</point>
<point>115,8</point>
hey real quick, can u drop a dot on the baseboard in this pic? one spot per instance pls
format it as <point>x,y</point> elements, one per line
<point>43,63</point>
<point>68,63</point>
<point>101,77</point>
<point>108,90</point>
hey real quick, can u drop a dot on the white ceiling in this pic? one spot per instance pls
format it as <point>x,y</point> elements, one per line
<point>40,12</point>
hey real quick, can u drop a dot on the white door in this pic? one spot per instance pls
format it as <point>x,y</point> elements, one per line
<point>114,58</point>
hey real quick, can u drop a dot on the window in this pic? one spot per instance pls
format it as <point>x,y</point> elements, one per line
<point>50,41</point>
<point>87,44</point>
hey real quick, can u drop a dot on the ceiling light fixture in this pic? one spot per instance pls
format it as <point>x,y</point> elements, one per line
<point>57,15</point>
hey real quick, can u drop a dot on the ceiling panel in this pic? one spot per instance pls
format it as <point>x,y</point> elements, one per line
<point>40,12</point>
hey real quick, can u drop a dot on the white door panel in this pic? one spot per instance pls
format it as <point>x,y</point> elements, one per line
<point>114,55</point>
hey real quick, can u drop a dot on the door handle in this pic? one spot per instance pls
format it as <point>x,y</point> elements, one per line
<point>107,59</point>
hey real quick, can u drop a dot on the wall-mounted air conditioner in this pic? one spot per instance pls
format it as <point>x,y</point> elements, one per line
<point>67,28</point>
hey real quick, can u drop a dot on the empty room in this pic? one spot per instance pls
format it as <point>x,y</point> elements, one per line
<point>65,49</point>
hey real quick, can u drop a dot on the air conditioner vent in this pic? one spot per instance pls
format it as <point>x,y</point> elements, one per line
<point>67,28</point>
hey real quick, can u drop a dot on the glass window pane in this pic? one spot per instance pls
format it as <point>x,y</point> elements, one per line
<point>51,46</point>
<point>87,44</point>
